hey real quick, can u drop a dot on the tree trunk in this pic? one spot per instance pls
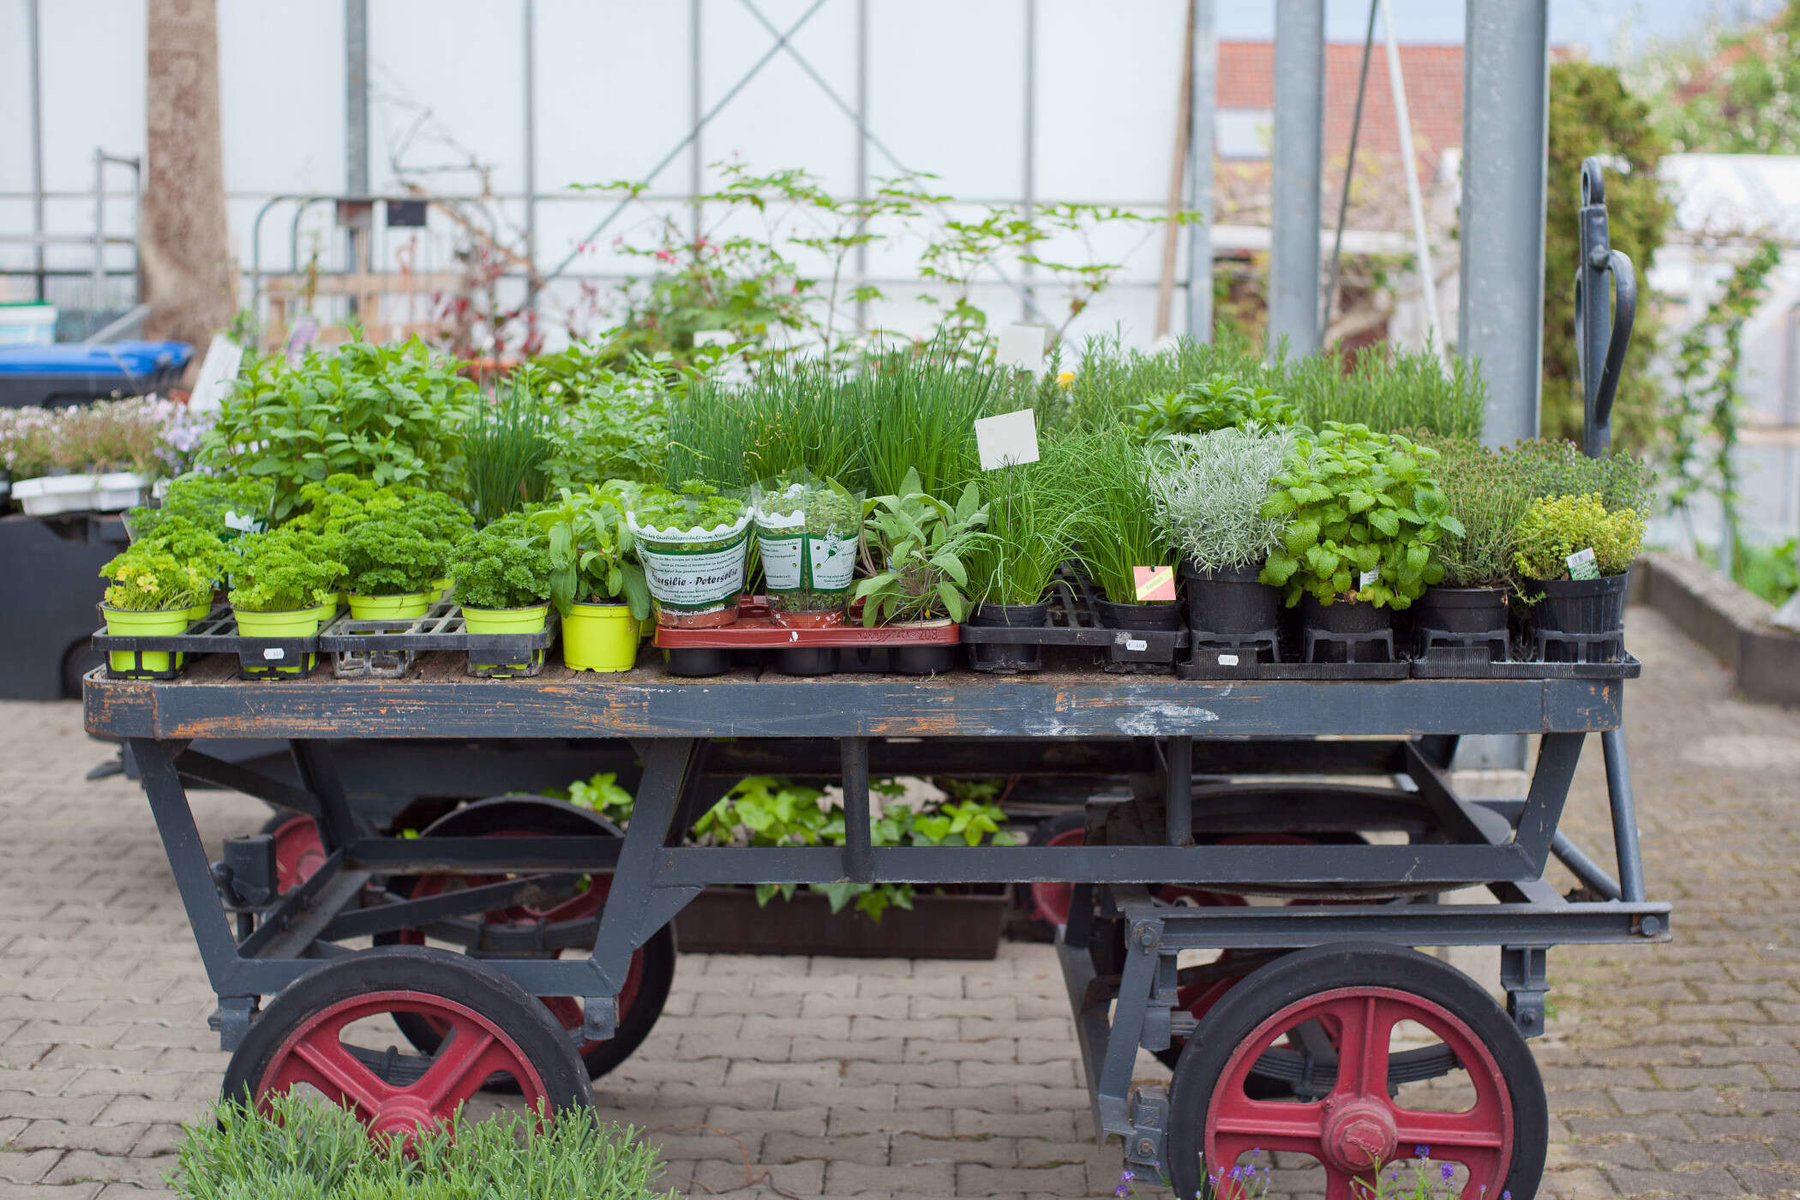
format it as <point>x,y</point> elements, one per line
<point>183,241</point>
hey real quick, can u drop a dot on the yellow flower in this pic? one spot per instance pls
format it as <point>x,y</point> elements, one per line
<point>1065,379</point>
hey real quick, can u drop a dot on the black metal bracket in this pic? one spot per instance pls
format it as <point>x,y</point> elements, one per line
<point>231,1020</point>
<point>1605,307</point>
<point>1522,974</point>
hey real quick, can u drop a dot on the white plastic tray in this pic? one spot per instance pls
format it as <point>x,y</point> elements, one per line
<point>51,494</point>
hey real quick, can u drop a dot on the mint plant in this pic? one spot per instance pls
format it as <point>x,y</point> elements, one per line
<point>1365,519</point>
<point>924,546</point>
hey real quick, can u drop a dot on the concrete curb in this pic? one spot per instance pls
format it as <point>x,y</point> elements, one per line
<point>1727,620</point>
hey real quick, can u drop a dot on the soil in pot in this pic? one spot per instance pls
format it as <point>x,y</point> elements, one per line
<point>1578,620</point>
<point>1347,633</point>
<point>1001,656</point>
<point>600,637</point>
<point>1230,602</point>
<point>1162,615</point>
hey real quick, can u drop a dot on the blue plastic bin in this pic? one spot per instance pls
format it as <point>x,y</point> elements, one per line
<point>74,373</point>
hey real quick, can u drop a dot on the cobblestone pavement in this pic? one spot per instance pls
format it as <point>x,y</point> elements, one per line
<point>1674,1070</point>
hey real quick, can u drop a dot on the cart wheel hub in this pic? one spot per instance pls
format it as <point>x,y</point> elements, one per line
<point>403,1117</point>
<point>1360,1135</point>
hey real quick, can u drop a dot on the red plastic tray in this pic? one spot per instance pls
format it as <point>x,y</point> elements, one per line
<point>755,630</point>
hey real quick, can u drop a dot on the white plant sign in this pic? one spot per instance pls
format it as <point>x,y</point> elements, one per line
<point>1007,440</point>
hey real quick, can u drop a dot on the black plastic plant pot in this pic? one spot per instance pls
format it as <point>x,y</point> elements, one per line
<point>1578,620</point>
<point>921,660</point>
<point>806,660</point>
<point>1230,602</point>
<point>1461,610</point>
<point>998,656</point>
<point>1162,615</point>
<point>1347,633</point>
<point>694,662</point>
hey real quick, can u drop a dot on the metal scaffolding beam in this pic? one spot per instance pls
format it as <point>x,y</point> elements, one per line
<point>1297,157</point>
<point>1506,101</point>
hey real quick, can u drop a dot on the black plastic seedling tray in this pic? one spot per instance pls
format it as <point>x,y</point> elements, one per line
<point>215,633</point>
<point>387,647</point>
<point>1074,620</point>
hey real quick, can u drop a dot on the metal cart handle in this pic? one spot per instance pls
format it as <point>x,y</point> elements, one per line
<point>1603,315</point>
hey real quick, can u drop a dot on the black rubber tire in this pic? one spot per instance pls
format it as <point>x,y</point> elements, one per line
<point>454,977</point>
<point>1292,978</point>
<point>549,816</point>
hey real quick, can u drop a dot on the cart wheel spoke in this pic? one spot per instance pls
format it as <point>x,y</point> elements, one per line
<point>463,1063</point>
<point>1361,1027</point>
<point>1480,1128</point>
<point>320,1059</point>
<point>1268,1126</point>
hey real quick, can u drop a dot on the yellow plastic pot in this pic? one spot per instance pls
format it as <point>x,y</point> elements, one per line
<point>294,623</point>
<point>201,611</point>
<point>505,620</point>
<point>126,622</point>
<point>446,587</point>
<point>600,637</point>
<point>391,608</point>
<point>327,611</point>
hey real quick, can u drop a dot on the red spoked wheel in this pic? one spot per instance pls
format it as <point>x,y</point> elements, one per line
<point>652,969</point>
<point>299,851</point>
<point>1482,1120</point>
<point>323,1034</point>
<point>1049,901</point>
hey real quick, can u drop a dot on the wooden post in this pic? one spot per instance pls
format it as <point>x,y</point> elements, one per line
<point>1184,115</point>
<point>182,232</point>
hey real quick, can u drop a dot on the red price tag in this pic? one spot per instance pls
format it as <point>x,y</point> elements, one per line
<point>1154,583</point>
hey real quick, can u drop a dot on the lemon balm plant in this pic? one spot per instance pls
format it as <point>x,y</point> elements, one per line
<point>920,551</point>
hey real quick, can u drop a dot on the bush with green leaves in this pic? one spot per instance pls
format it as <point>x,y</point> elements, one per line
<point>148,577</point>
<point>1209,494</point>
<point>1487,496</point>
<point>386,554</point>
<point>1219,401</point>
<point>389,413</point>
<point>764,811</point>
<point>505,565</point>
<point>695,508</point>
<point>284,570</point>
<point>1554,527</point>
<point>1552,467</point>
<point>592,552</point>
<point>1365,518</point>
<point>302,1149</point>
<point>227,507</point>
<point>614,416</point>
<point>921,549</point>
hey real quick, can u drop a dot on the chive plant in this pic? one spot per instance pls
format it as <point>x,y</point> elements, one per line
<point>1116,528</point>
<point>792,414</point>
<point>505,446</point>
<point>918,411</point>
<point>1033,512</point>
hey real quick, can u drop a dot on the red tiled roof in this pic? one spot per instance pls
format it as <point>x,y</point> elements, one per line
<point>1434,83</point>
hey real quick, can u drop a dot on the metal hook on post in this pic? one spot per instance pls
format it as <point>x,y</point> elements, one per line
<point>1603,314</point>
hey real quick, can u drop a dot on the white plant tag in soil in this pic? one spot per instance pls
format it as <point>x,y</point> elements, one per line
<point>1007,440</point>
<point>1582,565</point>
<point>1022,346</point>
<point>1367,578</point>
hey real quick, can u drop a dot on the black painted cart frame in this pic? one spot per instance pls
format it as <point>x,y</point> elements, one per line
<point>1155,734</point>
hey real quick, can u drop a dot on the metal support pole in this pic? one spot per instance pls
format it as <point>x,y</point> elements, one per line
<point>862,152</point>
<point>1028,168</point>
<point>98,302</point>
<point>1415,203</point>
<point>1294,178</point>
<point>1506,86</point>
<point>1200,171</point>
<point>356,120</point>
<point>1178,779</point>
<point>1337,239</point>
<point>1624,815</point>
<point>34,50</point>
<point>859,857</point>
<point>696,163</point>
<point>529,39</point>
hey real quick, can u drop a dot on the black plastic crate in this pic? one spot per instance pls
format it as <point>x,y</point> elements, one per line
<point>387,647</point>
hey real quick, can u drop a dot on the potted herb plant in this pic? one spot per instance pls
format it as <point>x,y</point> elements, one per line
<point>924,546</point>
<point>151,592</point>
<point>502,575</point>
<point>1116,528</point>
<point>807,532</point>
<point>595,583</point>
<point>693,544</point>
<point>392,566</point>
<point>1466,609</point>
<point>1030,532</point>
<point>281,584</point>
<point>1365,520</point>
<point>1574,558</point>
<point>1210,493</point>
<point>194,543</point>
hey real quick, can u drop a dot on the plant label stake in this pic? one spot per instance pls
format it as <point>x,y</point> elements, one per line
<point>1153,584</point>
<point>1022,346</point>
<point>1582,565</point>
<point>1008,440</point>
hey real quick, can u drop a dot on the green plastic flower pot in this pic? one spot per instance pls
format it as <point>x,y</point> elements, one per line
<point>445,587</point>
<point>600,637</point>
<point>327,611</point>
<point>293,623</point>
<point>407,607</point>
<point>505,620</point>
<point>200,611</point>
<point>125,622</point>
